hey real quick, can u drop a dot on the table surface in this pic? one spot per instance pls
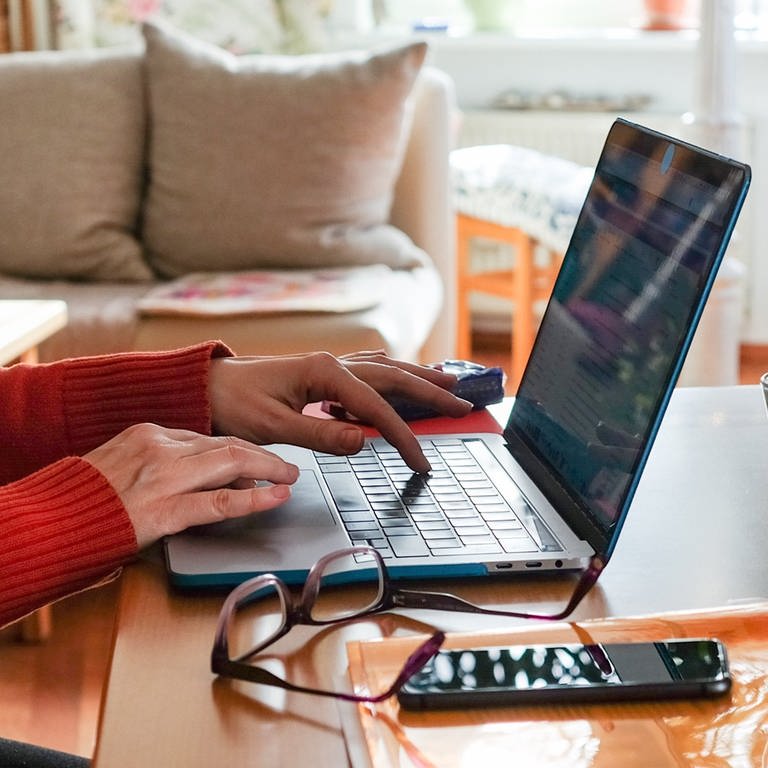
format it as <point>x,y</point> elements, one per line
<point>25,323</point>
<point>695,538</point>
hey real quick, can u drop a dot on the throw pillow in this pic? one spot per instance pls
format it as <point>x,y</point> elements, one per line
<point>274,161</point>
<point>71,164</point>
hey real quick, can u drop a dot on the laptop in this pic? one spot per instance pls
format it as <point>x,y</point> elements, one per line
<point>555,488</point>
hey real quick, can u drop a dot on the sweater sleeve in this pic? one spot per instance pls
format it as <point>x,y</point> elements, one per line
<point>71,406</point>
<point>62,529</point>
<point>62,526</point>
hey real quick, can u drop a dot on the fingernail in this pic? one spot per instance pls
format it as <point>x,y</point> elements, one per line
<point>351,440</point>
<point>281,492</point>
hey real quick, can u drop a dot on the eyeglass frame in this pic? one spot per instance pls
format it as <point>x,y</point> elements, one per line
<point>297,611</point>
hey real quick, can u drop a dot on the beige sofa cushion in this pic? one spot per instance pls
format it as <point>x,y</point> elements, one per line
<point>272,161</point>
<point>71,134</point>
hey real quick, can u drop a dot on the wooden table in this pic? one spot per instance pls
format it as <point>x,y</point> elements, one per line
<point>696,537</point>
<point>23,325</point>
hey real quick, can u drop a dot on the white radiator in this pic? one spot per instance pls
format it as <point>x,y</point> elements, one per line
<point>576,136</point>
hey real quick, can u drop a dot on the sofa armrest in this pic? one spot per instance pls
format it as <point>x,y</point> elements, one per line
<point>423,205</point>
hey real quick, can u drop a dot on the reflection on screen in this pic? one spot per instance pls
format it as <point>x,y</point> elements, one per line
<point>642,251</point>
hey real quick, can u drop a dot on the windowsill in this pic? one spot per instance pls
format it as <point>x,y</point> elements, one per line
<point>609,39</point>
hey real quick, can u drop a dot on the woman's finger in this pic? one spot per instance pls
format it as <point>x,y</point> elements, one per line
<point>206,507</point>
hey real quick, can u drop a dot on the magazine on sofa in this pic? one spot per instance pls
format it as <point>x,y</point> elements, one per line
<point>339,289</point>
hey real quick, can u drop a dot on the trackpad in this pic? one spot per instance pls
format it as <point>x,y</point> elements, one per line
<point>306,508</point>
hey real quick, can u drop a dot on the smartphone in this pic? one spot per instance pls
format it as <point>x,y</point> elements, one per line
<point>569,673</point>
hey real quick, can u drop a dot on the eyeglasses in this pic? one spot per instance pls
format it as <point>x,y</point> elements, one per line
<point>317,605</point>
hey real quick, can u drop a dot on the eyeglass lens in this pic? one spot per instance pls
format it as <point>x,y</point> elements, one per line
<point>266,609</point>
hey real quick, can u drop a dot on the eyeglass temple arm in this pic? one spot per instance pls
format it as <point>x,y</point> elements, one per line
<point>221,665</point>
<point>239,671</point>
<point>404,598</point>
<point>588,579</point>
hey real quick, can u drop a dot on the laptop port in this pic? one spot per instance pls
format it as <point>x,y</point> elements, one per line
<point>503,566</point>
<point>534,564</point>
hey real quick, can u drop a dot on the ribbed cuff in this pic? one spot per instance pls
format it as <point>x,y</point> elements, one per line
<point>61,529</point>
<point>104,395</point>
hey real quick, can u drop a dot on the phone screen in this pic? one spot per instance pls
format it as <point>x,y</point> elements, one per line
<point>569,672</point>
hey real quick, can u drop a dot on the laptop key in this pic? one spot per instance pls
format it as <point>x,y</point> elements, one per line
<point>506,525</point>
<point>384,514</point>
<point>493,517</point>
<point>400,530</point>
<point>374,482</point>
<point>408,546</point>
<point>464,533</point>
<point>395,522</point>
<point>465,477</point>
<point>433,525</point>
<point>379,502</point>
<point>438,545</point>
<point>423,506</point>
<point>450,497</point>
<point>423,517</point>
<point>362,516</point>
<point>432,536</point>
<point>457,506</point>
<point>346,492</point>
<point>383,506</point>
<point>463,514</point>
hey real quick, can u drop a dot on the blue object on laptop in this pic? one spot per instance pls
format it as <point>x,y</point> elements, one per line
<point>480,385</point>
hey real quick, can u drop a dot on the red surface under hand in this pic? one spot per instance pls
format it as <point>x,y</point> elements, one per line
<point>476,421</point>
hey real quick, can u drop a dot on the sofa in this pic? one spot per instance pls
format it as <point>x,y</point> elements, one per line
<point>126,169</point>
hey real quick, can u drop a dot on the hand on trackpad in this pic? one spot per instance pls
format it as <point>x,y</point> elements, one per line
<point>306,508</point>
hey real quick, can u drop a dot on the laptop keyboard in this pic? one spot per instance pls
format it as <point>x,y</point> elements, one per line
<point>455,510</point>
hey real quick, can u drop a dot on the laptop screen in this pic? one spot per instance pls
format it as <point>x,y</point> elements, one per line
<point>641,260</point>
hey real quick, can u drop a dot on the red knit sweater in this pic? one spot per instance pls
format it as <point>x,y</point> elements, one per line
<point>62,527</point>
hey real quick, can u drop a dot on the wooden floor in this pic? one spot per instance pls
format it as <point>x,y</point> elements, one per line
<point>49,693</point>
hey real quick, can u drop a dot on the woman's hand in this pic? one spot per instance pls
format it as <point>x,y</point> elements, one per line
<point>170,479</point>
<point>260,399</point>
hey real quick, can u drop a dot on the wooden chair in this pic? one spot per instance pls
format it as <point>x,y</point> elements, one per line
<point>528,200</point>
<point>525,284</point>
